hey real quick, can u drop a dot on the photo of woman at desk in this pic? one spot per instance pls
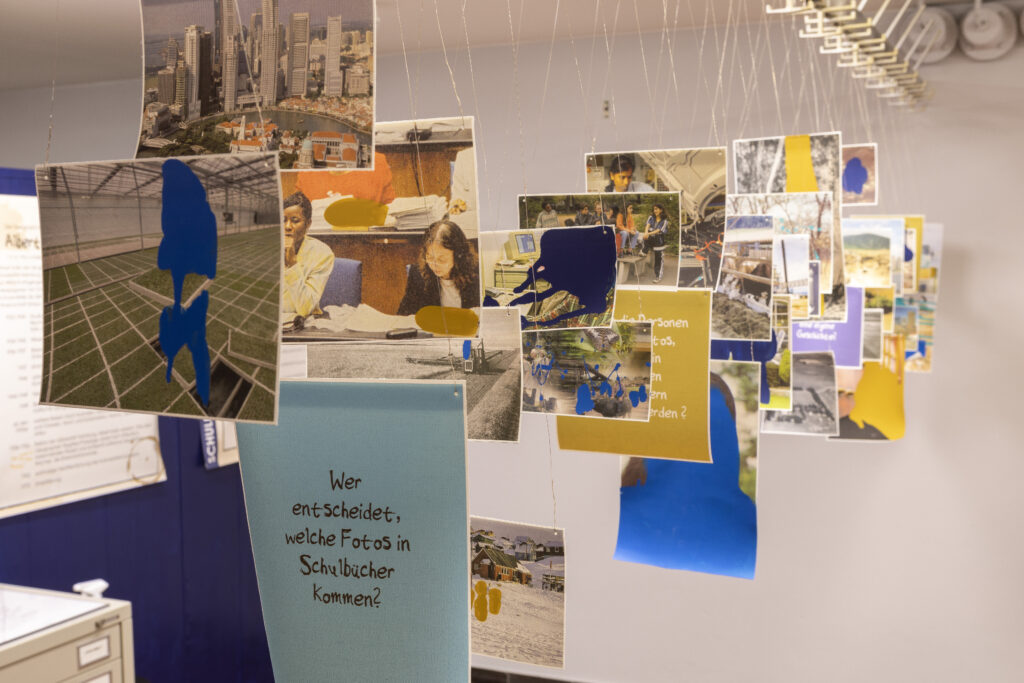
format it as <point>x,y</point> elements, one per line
<point>402,238</point>
<point>446,272</point>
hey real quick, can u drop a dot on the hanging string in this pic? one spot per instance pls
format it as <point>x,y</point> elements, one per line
<point>53,79</point>
<point>515,84</point>
<point>547,77</point>
<point>447,63</point>
<point>643,62</point>
<point>775,82</point>
<point>609,46</point>
<point>670,39</point>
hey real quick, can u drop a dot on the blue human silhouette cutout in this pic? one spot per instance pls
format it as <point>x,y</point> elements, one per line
<point>580,261</point>
<point>761,352</point>
<point>693,516</point>
<point>854,176</point>
<point>189,245</point>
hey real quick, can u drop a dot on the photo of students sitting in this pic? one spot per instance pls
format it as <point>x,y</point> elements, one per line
<point>645,226</point>
<point>653,239</point>
<point>548,218</point>
<point>446,272</point>
<point>626,226</point>
<point>307,262</point>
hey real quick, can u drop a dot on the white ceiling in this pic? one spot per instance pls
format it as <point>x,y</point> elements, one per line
<point>99,40</point>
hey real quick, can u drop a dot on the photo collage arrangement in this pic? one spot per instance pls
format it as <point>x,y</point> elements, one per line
<point>269,226</point>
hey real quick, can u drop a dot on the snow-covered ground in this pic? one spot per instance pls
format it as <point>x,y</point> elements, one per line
<point>531,625</point>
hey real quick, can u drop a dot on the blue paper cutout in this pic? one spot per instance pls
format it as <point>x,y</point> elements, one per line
<point>189,245</point>
<point>693,515</point>
<point>854,176</point>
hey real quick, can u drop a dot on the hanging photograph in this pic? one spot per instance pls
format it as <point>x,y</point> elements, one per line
<point>872,349</point>
<point>558,278</point>
<point>860,174</point>
<point>698,175</point>
<point>517,589</point>
<point>795,213</point>
<point>594,372</point>
<point>868,250</point>
<point>292,77</point>
<point>799,163</point>
<point>741,308</point>
<point>871,398</point>
<point>814,399</point>
<point>919,359</point>
<point>791,273</point>
<point>389,253</point>
<point>844,339</point>
<point>162,285</point>
<point>700,516</point>
<point>678,424</point>
<point>490,366</point>
<point>881,298</point>
<point>646,229</point>
<point>778,369</point>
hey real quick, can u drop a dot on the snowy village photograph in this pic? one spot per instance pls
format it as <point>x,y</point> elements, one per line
<point>517,589</point>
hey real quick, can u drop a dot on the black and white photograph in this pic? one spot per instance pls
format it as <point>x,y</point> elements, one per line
<point>293,77</point>
<point>490,366</point>
<point>873,333</point>
<point>815,402</point>
<point>518,591</point>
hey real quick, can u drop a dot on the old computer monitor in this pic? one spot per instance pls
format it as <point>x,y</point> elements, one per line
<point>523,246</point>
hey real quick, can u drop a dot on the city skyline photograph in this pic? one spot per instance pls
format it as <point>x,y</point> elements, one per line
<point>294,77</point>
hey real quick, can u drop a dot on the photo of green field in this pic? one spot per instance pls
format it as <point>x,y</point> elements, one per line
<point>104,292</point>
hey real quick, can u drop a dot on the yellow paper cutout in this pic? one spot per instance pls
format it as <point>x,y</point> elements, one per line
<point>678,426</point>
<point>799,165</point>
<point>480,601</point>
<point>878,401</point>
<point>452,322</point>
<point>484,600</point>
<point>350,213</point>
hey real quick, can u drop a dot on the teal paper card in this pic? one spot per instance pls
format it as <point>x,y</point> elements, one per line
<point>357,509</point>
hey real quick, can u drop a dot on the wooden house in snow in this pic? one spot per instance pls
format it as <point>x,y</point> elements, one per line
<point>497,566</point>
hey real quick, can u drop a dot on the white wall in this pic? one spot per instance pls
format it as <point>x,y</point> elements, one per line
<point>886,562</point>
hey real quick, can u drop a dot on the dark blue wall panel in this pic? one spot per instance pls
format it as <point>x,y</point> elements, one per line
<point>178,550</point>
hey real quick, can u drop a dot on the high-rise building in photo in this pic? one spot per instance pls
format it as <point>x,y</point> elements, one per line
<point>334,80</point>
<point>298,53</point>
<point>181,87</point>
<point>191,54</point>
<point>269,56</point>
<point>207,92</point>
<point>165,86</point>
<point>227,27</point>
<point>253,45</point>
<point>172,54</point>
<point>229,76</point>
<point>357,80</point>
